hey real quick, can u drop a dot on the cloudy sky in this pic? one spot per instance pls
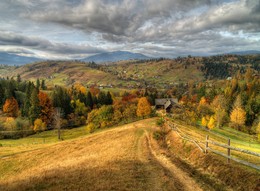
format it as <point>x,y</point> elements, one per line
<point>61,29</point>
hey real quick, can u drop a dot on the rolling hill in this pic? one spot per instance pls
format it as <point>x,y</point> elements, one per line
<point>133,74</point>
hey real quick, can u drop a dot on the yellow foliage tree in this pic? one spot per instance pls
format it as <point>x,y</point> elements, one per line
<point>203,101</point>
<point>39,125</point>
<point>9,123</point>
<point>211,123</point>
<point>80,88</point>
<point>143,107</point>
<point>238,116</point>
<point>204,122</point>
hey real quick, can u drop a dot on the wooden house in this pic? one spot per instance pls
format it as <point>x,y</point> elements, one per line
<point>166,103</point>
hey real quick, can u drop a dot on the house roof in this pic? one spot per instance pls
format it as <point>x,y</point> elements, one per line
<point>162,102</point>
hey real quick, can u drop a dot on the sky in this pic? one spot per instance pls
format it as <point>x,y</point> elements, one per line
<point>73,29</point>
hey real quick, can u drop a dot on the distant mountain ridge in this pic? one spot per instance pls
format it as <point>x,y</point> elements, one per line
<point>13,59</point>
<point>115,56</point>
<point>246,52</point>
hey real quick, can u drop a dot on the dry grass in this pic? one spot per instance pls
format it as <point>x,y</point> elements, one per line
<point>117,159</point>
<point>210,168</point>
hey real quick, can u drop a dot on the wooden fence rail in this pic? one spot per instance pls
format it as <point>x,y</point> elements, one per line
<point>207,147</point>
<point>228,155</point>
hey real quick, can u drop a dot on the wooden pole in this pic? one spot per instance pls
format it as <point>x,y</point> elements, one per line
<point>228,151</point>
<point>207,144</point>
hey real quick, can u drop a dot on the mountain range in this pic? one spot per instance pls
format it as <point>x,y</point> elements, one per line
<point>13,59</point>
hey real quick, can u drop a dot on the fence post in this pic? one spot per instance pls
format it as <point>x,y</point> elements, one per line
<point>228,151</point>
<point>207,144</point>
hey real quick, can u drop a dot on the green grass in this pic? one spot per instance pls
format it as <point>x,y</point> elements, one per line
<point>46,137</point>
<point>15,146</point>
<point>239,138</point>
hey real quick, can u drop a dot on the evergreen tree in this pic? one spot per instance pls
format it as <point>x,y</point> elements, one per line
<point>35,109</point>
<point>38,84</point>
<point>109,100</point>
<point>2,93</point>
<point>89,100</point>
<point>19,78</point>
<point>43,86</point>
<point>102,98</point>
<point>61,99</point>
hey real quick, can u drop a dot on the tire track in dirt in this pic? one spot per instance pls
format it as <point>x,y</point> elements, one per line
<point>187,182</point>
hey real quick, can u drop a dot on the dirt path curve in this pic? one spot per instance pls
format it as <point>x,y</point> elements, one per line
<point>187,182</point>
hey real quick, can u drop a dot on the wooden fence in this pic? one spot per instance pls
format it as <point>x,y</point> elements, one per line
<point>228,154</point>
<point>208,148</point>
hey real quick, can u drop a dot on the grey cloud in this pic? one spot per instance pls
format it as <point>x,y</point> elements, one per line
<point>160,27</point>
<point>12,39</point>
<point>114,17</point>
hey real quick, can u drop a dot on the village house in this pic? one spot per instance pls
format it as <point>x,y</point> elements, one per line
<point>166,103</point>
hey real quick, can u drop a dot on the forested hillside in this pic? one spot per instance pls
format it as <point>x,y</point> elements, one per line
<point>159,73</point>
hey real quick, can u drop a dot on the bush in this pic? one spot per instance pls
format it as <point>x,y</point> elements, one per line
<point>159,135</point>
<point>39,125</point>
<point>160,122</point>
<point>91,127</point>
<point>22,124</point>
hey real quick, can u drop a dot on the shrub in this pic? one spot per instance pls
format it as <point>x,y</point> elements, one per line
<point>160,122</point>
<point>22,124</point>
<point>91,127</point>
<point>39,125</point>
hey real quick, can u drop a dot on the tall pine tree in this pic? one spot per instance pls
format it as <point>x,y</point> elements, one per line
<point>35,109</point>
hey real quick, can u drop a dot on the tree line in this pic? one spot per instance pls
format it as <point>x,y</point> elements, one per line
<point>31,108</point>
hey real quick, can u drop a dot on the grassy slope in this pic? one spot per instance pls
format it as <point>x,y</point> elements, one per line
<point>238,139</point>
<point>112,159</point>
<point>116,159</point>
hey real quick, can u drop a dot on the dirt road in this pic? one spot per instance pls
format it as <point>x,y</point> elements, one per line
<point>124,158</point>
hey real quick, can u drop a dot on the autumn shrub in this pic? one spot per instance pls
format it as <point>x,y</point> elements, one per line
<point>91,128</point>
<point>10,124</point>
<point>39,125</point>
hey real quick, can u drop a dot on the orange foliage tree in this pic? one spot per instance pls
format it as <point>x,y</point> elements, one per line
<point>143,107</point>
<point>94,90</point>
<point>46,108</point>
<point>11,107</point>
